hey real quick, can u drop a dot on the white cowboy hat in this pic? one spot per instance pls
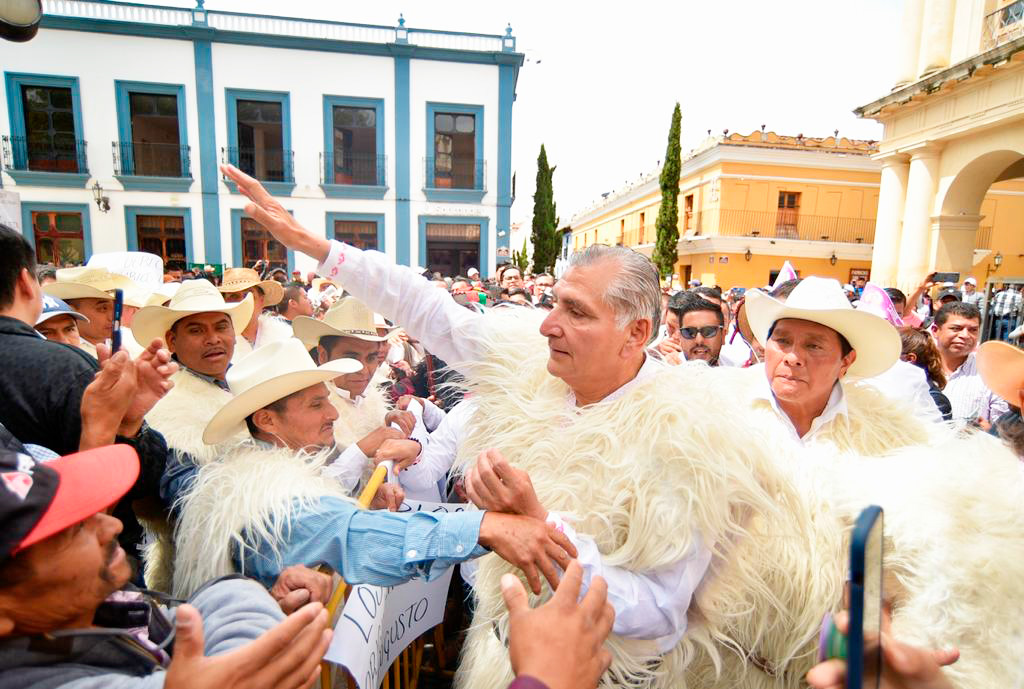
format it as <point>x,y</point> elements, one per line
<point>347,317</point>
<point>194,296</point>
<point>87,282</point>
<point>382,323</point>
<point>1001,366</point>
<point>821,300</point>
<point>239,279</point>
<point>270,373</point>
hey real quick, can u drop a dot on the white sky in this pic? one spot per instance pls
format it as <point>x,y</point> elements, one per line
<point>601,78</point>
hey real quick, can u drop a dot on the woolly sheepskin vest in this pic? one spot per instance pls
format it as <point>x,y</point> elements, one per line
<point>356,422</point>
<point>181,416</point>
<point>249,496</point>
<point>690,452</point>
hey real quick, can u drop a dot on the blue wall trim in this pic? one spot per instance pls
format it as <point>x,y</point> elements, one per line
<point>403,215</point>
<point>506,97</point>
<point>360,217</point>
<point>207,152</point>
<point>84,208</point>
<point>124,118</point>
<point>15,110</point>
<point>132,213</point>
<point>483,221</point>
<point>478,164</point>
<point>233,96</point>
<point>236,242</point>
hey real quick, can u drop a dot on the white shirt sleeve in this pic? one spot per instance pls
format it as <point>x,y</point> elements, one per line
<point>433,415</point>
<point>397,292</point>
<point>439,452</point>
<point>348,468</point>
<point>648,605</point>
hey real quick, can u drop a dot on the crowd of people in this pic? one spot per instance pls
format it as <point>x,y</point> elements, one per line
<point>672,475</point>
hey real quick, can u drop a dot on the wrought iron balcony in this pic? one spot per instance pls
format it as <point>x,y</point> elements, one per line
<point>151,159</point>
<point>337,167</point>
<point>265,164</point>
<point>452,172</point>
<point>1003,25</point>
<point>787,225</point>
<point>50,155</point>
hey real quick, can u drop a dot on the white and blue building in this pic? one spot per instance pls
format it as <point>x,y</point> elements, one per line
<point>389,137</point>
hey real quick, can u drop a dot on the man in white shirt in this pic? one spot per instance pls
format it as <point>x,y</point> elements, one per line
<point>969,293</point>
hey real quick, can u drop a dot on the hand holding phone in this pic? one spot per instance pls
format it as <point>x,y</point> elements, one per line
<point>115,336</point>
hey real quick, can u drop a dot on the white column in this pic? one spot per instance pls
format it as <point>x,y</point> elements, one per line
<point>917,223</point>
<point>909,43</point>
<point>936,35</point>
<point>892,195</point>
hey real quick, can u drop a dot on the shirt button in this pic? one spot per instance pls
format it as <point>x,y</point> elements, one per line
<point>459,549</point>
<point>411,553</point>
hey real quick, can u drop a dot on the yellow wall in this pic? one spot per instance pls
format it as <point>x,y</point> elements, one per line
<point>738,272</point>
<point>1004,213</point>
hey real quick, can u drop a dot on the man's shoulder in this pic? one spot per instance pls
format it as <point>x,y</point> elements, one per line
<point>23,351</point>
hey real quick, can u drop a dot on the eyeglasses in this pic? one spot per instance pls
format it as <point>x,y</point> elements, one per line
<point>707,332</point>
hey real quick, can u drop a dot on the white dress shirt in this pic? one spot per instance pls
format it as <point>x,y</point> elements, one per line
<point>909,383</point>
<point>648,605</point>
<point>438,456</point>
<point>835,407</point>
<point>350,466</point>
<point>969,397</point>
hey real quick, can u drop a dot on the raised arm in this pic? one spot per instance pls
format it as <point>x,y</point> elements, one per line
<point>396,291</point>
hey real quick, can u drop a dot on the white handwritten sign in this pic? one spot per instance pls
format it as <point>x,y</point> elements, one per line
<point>378,623</point>
<point>146,270</point>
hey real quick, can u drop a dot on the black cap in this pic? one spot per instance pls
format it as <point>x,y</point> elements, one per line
<point>949,292</point>
<point>27,488</point>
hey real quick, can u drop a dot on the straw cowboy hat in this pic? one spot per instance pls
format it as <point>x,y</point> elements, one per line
<point>318,284</point>
<point>194,296</point>
<point>87,282</point>
<point>1001,366</point>
<point>239,279</point>
<point>346,318</point>
<point>821,300</point>
<point>267,375</point>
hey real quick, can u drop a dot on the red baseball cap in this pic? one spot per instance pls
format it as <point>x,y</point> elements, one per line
<point>40,499</point>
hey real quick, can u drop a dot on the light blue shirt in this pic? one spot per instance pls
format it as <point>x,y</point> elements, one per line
<point>369,547</point>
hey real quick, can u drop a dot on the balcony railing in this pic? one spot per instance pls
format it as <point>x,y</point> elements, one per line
<point>337,167</point>
<point>151,159</point>
<point>459,174</point>
<point>983,238</point>
<point>815,228</point>
<point>1003,25</point>
<point>265,164</point>
<point>46,156</point>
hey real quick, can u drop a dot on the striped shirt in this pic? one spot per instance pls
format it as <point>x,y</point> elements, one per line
<point>1006,303</point>
<point>969,396</point>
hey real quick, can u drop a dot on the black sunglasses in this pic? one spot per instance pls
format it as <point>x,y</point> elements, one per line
<point>707,332</point>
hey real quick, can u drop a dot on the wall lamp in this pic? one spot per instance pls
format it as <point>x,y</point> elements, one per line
<point>832,259</point>
<point>747,255</point>
<point>102,202</point>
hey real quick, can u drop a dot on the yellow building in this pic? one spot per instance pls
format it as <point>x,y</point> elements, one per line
<point>952,193</point>
<point>749,203</point>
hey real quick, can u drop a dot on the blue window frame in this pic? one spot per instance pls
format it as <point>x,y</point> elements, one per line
<point>354,163</point>
<point>51,150</point>
<point>28,230</point>
<point>243,256</point>
<point>132,231</point>
<point>358,234</point>
<point>483,243</point>
<point>451,172</point>
<point>270,162</point>
<point>140,161</point>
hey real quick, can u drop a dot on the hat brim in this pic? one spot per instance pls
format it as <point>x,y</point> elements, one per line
<point>1001,366</point>
<point>310,330</point>
<point>226,422</point>
<point>43,317</point>
<point>875,340</point>
<point>273,292</point>
<point>153,322</point>
<point>74,290</point>
<point>79,494</point>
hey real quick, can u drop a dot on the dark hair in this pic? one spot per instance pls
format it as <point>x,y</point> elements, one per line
<point>896,295</point>
<point>16,254</point>
<point>329,342</point>
<point>291,293</point>
<point>685,302</point>
<point>277,406</point>
<point>1011,429</point>
<point>713,292</point>
<point>519,290</point>
<point>46,270</point>
<point>786,288</point>
<point>926,354</point>
<point>844,345</point>
<point>957,308</point>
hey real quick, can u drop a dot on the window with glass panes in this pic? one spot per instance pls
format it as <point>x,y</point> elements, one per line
<point>361,234</point>
<point>50,140</point>
<point>355,146</point>
<point>454,150</point>
<point>259,245</point>
<point>163,235</point>
<point>261,140</point>
<point>59,238</point>
<point>155,146</point>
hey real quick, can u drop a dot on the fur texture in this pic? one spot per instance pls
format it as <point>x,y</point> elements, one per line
<point>247,497</point>
<point>356,422</point>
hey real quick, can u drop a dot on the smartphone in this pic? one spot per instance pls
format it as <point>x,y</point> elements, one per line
<point>940,278</point>
<point>861,647</point>
<point>115,337</point>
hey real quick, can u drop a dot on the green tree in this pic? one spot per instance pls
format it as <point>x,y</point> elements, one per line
<point>665,252</point>
<point>520,260</point>
<point>544,235</point>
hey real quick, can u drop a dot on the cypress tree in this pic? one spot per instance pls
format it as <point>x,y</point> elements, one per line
<point>545,223</point>
<point>665,253</point>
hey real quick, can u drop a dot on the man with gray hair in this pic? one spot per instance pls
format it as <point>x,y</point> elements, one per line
<point>607,443</point>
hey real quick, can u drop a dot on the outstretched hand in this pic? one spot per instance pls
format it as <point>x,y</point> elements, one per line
<point>530,544</point>
<point>493,484</point>
<point>268,212</point>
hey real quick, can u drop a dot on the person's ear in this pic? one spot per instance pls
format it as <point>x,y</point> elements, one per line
<point>27,283</point>
<point>638,336</point>
<point>321,355</point>
<point>169,338</point>
<point>265,421</point>
<point>847,362</point>
<point>910,358</point>
<point>6,624</point>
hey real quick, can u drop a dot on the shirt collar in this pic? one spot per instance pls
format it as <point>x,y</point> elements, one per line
<point>202,376</point>
<point>344,394</point>
<point>836,406</point>
<point>650,368</point>
<point>968,368</point>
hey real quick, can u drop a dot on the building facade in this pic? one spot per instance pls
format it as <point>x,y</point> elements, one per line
<point>387,137</point>
<point>952,153</point>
